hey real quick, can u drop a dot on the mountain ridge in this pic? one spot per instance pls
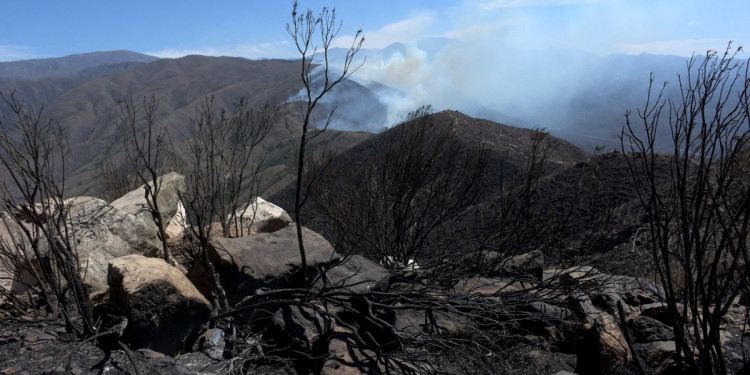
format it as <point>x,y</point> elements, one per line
<point>68,66</point>
<point>89,111</point>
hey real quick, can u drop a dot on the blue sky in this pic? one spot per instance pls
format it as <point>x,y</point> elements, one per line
<point>256,29</point>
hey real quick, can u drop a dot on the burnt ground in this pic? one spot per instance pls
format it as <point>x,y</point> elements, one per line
<point>32,346</point>
<point>38,347</point>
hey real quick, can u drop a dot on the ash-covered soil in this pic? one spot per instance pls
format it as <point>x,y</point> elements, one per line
<point>31,346</point>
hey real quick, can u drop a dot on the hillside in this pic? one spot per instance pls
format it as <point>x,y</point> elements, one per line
<point>431,171</point>
<point>581,207</point>
<point>596,204</point>
<point>88,108</point>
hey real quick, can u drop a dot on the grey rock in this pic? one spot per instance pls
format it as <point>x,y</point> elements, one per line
<point>414,323</point>
<point>12,240</point>
<point>491,286</point>
<point>347,357</point>
<point>101,232</point>
<point>603,346</point>
<point>355,274</point>
<point>645,329</point>
<point>259,216</point>
<point>657,355</point>
<point>36,338</point>
<point>178,225</point>
<point>261,260</point>
<point>98,233</point>
<point>608,302</point>
<point>300,328</point>
<point>134,202</point>
<point>660,311</point>
<point>212,343</point>
<point>547,311</point>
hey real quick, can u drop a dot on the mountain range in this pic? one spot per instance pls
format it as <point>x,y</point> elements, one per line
<point>83,93</point>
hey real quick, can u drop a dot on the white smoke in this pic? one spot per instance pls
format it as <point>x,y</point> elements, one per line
<point>569,93</point>
<point>451,75</point>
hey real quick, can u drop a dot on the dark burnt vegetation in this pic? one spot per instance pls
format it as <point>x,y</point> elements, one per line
<point>39,242</point>
<point>697,220</point>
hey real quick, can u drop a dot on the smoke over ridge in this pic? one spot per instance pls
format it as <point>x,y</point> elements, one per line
<point>567,92</point>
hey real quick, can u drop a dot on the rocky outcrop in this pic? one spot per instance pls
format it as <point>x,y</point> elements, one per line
<point>357,307</point>
<point>98,232</point>
<point>101,232</point>
<point>134,202</point>
<point>259,216</point>
<point>165,311</point>
<point>262,260</point>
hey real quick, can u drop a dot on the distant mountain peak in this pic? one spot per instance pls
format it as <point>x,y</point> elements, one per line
<point>70,65</point>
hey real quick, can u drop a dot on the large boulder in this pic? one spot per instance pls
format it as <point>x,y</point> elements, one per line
<point>603,348</point>
<point>98,233</point>
<point>101,232</point>
<point>262,260</point>
<point>165,311</point>
<point>259,216</point>
<point>20,269</point>
<point>355,274</point>
<point>134,202</point>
